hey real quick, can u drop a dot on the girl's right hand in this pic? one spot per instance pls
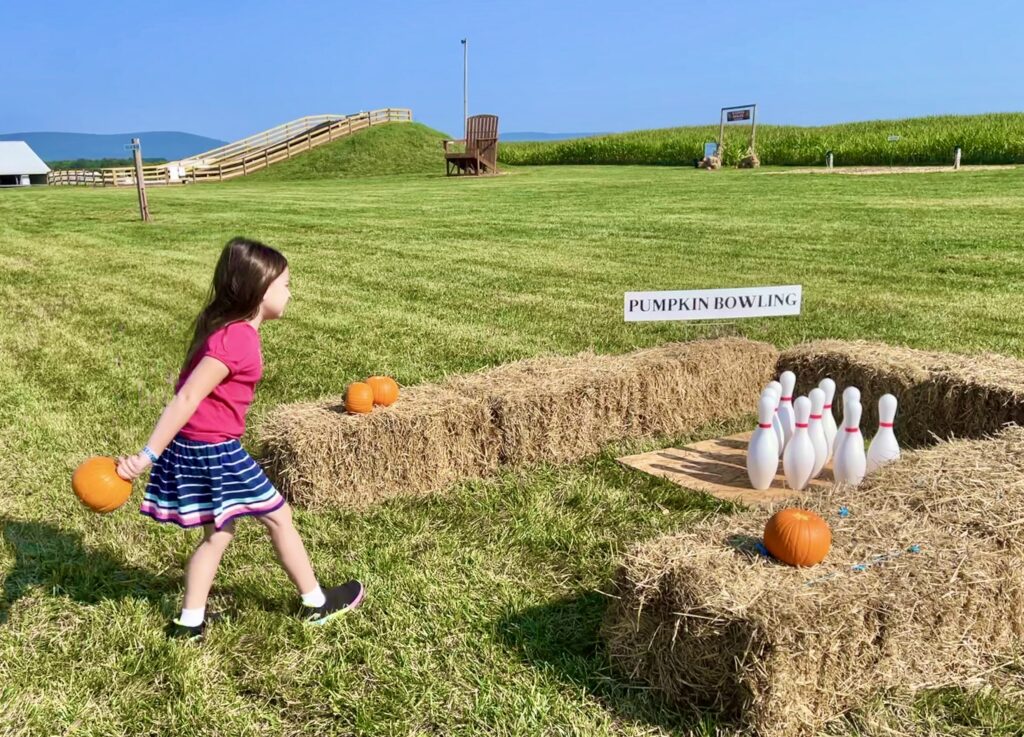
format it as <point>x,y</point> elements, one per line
<point>129,467</point>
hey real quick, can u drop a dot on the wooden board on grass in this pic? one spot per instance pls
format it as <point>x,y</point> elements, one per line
<point>718,467</point>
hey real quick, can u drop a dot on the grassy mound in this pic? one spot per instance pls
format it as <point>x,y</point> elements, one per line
<point>985,139</point>
<point>394,148</point>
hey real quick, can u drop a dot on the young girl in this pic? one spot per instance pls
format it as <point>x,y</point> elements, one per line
<point>201,474</point>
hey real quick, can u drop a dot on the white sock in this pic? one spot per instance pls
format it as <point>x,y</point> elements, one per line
<point>314,598</point>
<point>192,617</point>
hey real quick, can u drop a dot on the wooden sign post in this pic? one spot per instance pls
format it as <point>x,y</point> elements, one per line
<point>140,182</point>
<point>738,114</point>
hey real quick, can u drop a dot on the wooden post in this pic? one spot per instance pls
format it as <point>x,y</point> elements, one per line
<point>956,158</point>
<point>753,131</point>
<point>721,133</point>
<point>140,183</point>
<point>828,160</point>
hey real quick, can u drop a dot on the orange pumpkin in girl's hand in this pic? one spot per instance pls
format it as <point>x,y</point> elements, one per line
<point>385,390</point>
<point>359,398</point>
<point>798,537</point>
<point>99,487</point>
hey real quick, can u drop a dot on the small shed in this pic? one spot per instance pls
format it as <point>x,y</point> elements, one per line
<point>20,166</point>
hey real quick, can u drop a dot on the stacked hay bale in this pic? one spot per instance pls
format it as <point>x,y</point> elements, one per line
<point>319,456</point>
<point>554,410</point>
<point>564,408</point>
<point>924,586</point>
<point>941,394</point>
<point>678,387</point>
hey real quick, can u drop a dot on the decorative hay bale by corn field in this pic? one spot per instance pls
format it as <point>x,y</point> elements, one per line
<point>945,394</point>
<point>320,456</point>
<point>678,387</point>
<point>939,594</point>
<point>750,161</point>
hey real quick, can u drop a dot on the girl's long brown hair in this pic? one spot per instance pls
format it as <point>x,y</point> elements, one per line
<point>243,274</point>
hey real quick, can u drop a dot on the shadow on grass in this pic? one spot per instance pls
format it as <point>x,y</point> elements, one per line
<point>45,555</point>
<point>562,638</point>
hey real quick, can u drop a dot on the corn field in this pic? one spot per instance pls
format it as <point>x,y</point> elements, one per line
<point>984,139</point>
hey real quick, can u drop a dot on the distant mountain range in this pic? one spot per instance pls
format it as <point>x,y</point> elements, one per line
<point>169,145</point>
<point>538,136</point>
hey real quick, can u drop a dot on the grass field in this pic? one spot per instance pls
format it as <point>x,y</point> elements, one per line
<point>483,602</point>
<point>985,139</point>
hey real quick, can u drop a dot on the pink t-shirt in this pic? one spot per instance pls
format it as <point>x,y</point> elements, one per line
<point>221,415</point>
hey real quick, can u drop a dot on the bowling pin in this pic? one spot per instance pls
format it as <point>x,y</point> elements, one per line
<point>816,431</point>
<point>850,392</point>
<point>776,422</point>
<point>828,420</point>
<point>884,448</point>
<point>850,461</point>
<point>763,450</point>
<point>798,459</point>
<point>788,381</point>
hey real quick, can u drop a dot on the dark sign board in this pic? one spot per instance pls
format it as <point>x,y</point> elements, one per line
<point>734,115</point>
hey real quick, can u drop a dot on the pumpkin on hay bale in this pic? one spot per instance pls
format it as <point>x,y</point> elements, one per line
<point>385,390</point>
<point>924,585</point>
<point>359,398</point>
<point>798,537</point>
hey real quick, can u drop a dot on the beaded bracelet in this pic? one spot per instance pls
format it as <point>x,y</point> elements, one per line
<point>147,451</point>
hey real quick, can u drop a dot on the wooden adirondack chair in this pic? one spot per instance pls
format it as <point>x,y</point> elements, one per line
<point>481,143</point>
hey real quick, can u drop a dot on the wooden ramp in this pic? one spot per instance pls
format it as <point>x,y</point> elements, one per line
<point>240,158</point>
<point>718,467</point>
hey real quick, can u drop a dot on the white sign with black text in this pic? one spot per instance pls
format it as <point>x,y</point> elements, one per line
<point>713,304</point>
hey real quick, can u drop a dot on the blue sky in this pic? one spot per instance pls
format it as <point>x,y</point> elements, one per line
<point>228,69</point>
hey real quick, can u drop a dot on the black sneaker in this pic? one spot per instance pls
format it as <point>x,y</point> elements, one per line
<point>178,631</point>
<point>340,599</point>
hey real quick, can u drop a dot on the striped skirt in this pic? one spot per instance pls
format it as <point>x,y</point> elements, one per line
<point>195,483</point>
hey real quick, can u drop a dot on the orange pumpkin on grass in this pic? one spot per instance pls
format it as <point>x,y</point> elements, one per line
<point>97,485</point>
<point>798,537</point>
<point>359,398</point>
<point>385,390</point>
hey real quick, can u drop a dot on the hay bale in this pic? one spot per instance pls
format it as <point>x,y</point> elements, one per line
<point>750,161</point>
<point>678,387</point>
<point>319,456</point>
<point>710,163</point>
<point>561,409</point>
<point>782,651</point>
<point>554,409</point>
<point>941,394</point>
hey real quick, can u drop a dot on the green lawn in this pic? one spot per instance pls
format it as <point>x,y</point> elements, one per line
<point>484,602</point>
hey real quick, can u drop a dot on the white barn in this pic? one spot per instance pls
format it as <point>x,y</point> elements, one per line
<point>19,165</point>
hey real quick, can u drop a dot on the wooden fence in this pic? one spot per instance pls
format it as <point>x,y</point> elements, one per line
<point>240,157</point>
